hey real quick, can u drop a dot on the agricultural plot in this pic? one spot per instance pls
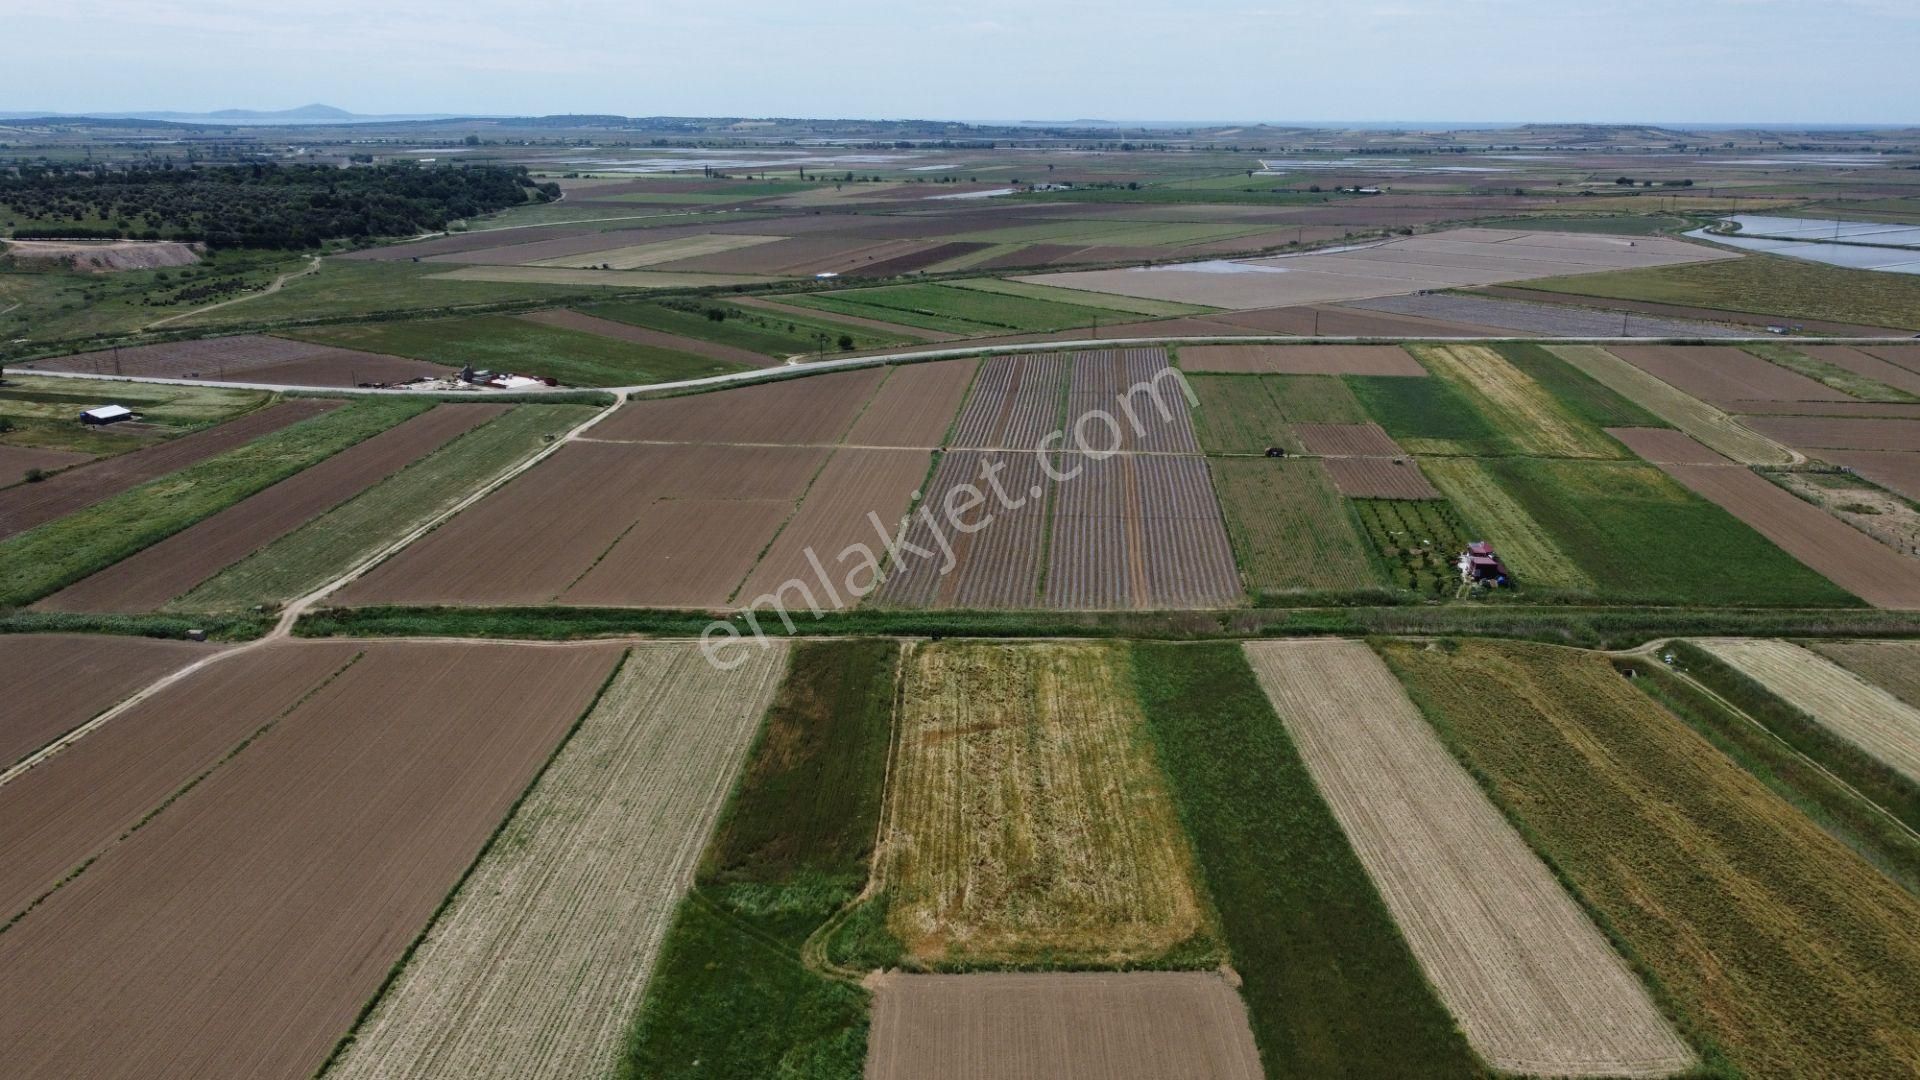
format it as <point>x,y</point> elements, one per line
<point>1536,988</point>
<point>1428,416</point>
<point>1028,820</point>
<point>505,343</point>
<point>253,358</point>
<point>957,310</point>
<point>744,326</point>
<point>811,410</point>
<point>1415,542</point>
<point>1129,399</point>
<point>17,461</point>
<point>1300,360</point>
<point>1290,528</point>
<point>1732,900</point>
<point>1246,414</point>
<point>169,569</point>
<point>830,555</point>
<point>1847,369</point>
<point>636,256</point>
<point>1724,376</point>
<point>1784,288</point>
<point>1892,665</point>
<point>1580,394</point>
<point>1137,531</point>
<point>1130,1026</point>
<point>1897,471</point>
<point>1346,440</point>
<point>996,566</point>
<point>915,406</point>
<point>1380,478</point>
<point>56,682</point>
<point>1546,320</point>
<point>1691,415</point>
<point>1854,433</point>
<point>1863,714</point>
<point>1126,304</point>
<point>241,930</point>
<point>1534,420</point>
<point>642,336</point>
<point>681,553</point>
<point>1524,544</point>
<point>540,958</point>
<point>1016,402</point>
<point>1665,446</point>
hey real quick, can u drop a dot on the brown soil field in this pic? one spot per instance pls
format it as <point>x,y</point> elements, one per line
<point>1863,714</point>
<point>1379,478</point>
<point>916,406</point>
<point>681,553</point>
<point>1347,440</point>
<point>535,538</point>
<point>640,335</point>
<point>1016,402</point>
<point>78,802</point>
<point>172,567</point>
<point>639,256</point>
<point>249,358</point>
<point>1842,554</point>
<point>994,567</point>
<point>1838,433</point>
<point>1666,446</point>
<point>832,518</point>
<point>799,255</point>
<point>1317,319</point>
<point>1906,356</point>
<point>1893,666</point>
<point>103,256</point>
<point>16,460</point>
<point>915,260</point>
<point>1103,385</point>
<point>1545,320</point>
<point>1830,408</point>
<point>537,966</point>
<point>468,241</point>
<point>521,247</point>
<point>240,932</point>
<point>1680,311</point>
<point>1140,532</point>
<point>56,682</point>
<point>1895,471</point>
<point>1132,1026</point>
<point>1532,982</point>
<point>1301,359</point>
<point>24,506</point>
<point>811,410</point>
<point>1723,375</point>
<point>1865,364</point>
<point>1691,415</point>
<point>905,333</point>
<point>1032,255</point>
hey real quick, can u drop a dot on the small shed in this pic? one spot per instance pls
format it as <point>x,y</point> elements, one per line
<point>1480,564</point>
<point>106,414</point>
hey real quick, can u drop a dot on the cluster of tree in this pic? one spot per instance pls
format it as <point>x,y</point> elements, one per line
<point>261,205</point>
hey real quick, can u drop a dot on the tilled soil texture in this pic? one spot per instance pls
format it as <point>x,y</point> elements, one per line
<point>249,358</point>
<point>1851,707</point>
<point>1347,440</point>
<point>1724,376</point>
<point>1680,311</point>
<point>831,555</point>
<point>1689,414</point>
<point>1532,982</point>
<point>80,801</point>
<point>1549,320</point>
<point>1892,409</point>
<point>1822,433</point>
<point>1016,402</point>
<point>537,966</point>
<point>1894,471</point>
<point>1140,531</point>
<point>916,406</point>
<point>26,505</point>
<point>53,683</point>
<point>1380,478</point>
<point>1029,819</point>
<point>1132,1026</point>
<point>240,932</point>
<point>640,335</point>
<point>810,411</point>
<point>1892,665</point>
<point>1865,364</point>
<point>1301,359</point>
<point>1317,319</point>
<point>1665,446</point>
<point>1906,356</point>
<point>995,566</point>
<point>175,565</point>
<point>1842,554</point>
<point>1129,399</point>
<point>681,553</point>
<point>17,461</point>
<point>541,534</point>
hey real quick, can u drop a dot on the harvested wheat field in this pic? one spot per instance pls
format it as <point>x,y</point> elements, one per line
<point>916,406</point>
<point>1666,446</point>
<point>1532,982</point>
<point>1536,422</point>
<point>805,411</point>
<point>1865,715</point>
<point>78,802</point>
<point>830,545</point>
<point>240,932</point>
<point>1138,531</point>
<point>997,566</point>
<point>1892,665</point>
<point>56,682</point>
<point>1300,360</point>
<point>1838,433</point>
<point>1691,415</point>
<point>1837,551</point>
<point>174,566</point>
<point>537,965</point>
<point>1723,375</point>
<point>1347,440</point>
<point>24,506</point>
<point>1379,478</point>
<point>1143,1025</point>
<point>1016,402</point>
<point>1029,818</point>
<point>1142,393</point>
<point>254,358</point>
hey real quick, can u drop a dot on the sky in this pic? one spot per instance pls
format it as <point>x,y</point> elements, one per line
<point>1721,61</point>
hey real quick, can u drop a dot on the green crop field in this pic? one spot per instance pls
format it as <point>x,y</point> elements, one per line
<point>357,289</point>
<point>1245,414</point>
<point>503,343</point>
<point>1133,305</point>
<point>766,332</point>
<point>1577,392</point>
<point>1415,542</point>
<point>1762,285</point>
<point>954,310</point>
<point>1291,531</point>
<point>1330,986</point>
<point>1427,416</point>
<point>1492,515</point>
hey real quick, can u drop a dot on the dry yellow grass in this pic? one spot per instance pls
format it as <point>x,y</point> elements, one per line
<point>1537,424</point>
<point>1691,415</point>
<point>634,256</point>
<point>1893,666</point>
<point>1844,703</point>
<point>1028,817</point>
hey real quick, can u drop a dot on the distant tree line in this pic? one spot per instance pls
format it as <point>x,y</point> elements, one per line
<point>262,205</point>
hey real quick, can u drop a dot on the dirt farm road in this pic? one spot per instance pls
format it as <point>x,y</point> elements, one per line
<point>273,287</point>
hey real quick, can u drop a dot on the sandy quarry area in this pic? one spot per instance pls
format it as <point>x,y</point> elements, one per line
<point>103,256</point>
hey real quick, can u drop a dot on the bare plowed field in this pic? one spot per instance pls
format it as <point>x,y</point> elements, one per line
<point>1131,1026</point>
<point>249,358</point>
<point>1029,818</point>
<point>1140,391</point>
<point>535,538</point>
<point>53,683</point>
<point>1851,707</point>
<point>1891,470</point>
<point>640,335</point>
<point>1865,364</point>
<point>240,932</point>
<point>1533,984</point>
<point>1016,402</point>
<point>24,506</point>
<point>993,567</point>
<point>16,461</point>
<point>1888,409</point>
<point>1379,478</point>
<point>1809,432</point>
<point>1906,356</point>
<point>1666,446</point>
<point>1289,526</point>
<point>1689,414</point>
<point>916,406</point>
<point>1301,359</point>
<point>1138,531</point>
<point>1845,556</point>
<point>1347,440</point>
<point>537,966</point>
<point>814,410</point>
<point>1892,665</point>
<point>1724,376</point>
<point>1550,320</point>
<point>72,806</point>
<point>832,520</point>
<point>681,553</point>
<point>175,565</point>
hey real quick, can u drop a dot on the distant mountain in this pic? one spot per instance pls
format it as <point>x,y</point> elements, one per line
<point>305,114</point>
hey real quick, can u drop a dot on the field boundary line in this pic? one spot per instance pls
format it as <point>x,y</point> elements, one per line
<point>313,266</point>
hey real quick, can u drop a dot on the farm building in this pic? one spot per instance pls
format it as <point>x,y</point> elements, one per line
<point>106,414</point>
<point>1480,564</point>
